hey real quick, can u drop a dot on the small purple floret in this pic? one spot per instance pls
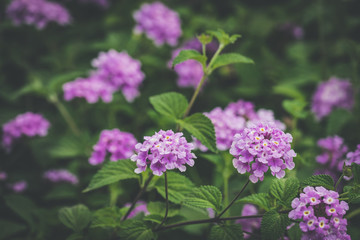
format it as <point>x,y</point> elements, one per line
<point>19,186</point>
<point>61,175</point>
<point>140,207</point>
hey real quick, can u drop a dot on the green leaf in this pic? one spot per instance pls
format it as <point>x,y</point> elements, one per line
<point>23,206</point>
<point>205,197</point>
<point>135,230</point>
<point>67,147</point>
<point>56,83</point>
<point>112,172</point>
<point>76,217</point>
<point>226,232</point>
<point>170,104</point>
<point>295,108</point>
<point>295,232</point>
<point>178,187</point>
<point>352,194</point>
<point>273,225</point>
<point>9,228</point>
<point>259,199</point>
<point>202,128</point>
<point>157,218</point>
<point>108,217</point>
<point>224,38</point>
<point>285,190</point>
<point>289,90</point>
<point>159,208</point>
<point>355,169</point>
<point>213,158</point>
<point>320,180</point>
<point>230,58</point>
<point>189,54</point>
<point>337,120</point>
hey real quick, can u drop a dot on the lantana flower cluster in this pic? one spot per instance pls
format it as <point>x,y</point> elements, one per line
<point>19,186</point>
<point>334,93</point>
<point>249,225</point>
<point>37,12</point>
<point>260,147</point>
<point>233,119</point>
<point>321,213</point>
<point>189,72</point>
<point>334,152</point>
<point>61,175</point>
<point>28,124</point>
<point>91,89</point>
<point>163,151</point>
<point>353,157</point>
<point>120,145</point>
<point>140,207</point>
<point>159,23</point>
<point>114,71</point>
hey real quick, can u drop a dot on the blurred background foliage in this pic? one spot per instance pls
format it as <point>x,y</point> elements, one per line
<point>35,64</point>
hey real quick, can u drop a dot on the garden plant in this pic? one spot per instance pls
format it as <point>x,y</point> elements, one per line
<point>143,120</point>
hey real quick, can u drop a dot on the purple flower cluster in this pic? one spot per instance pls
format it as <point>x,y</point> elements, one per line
<point>165,150</point>
<point>259,147</point>
<point>114,71</point>
<point>226,125</point>
<point>243,109</point>
<point>233,119</point>
<point>3,175</point>
<point>29,124</point>
<point>189,72</point>
<point>249,225</point>
<point>140,207</point>
<point>247,110</point>
<point>294,30</point>
<point>334,152</point>
<point>91,89</point>
<point>19,186</point>
<point>160,24</point>
<point>120,145</point>
<point>321,213</point>
<point>334,93</point>
<point>61,175</point>
<point>120,71</point>
<point>353,157</point>
<point>37,12</point>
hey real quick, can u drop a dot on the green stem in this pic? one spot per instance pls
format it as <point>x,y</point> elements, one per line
<point>142,190</point>
<point>210,220</point>
<point>167,202</point>
<point>353,213</point>
<point>232,202</point>
<point>338,181</point>
<point>208,69</point>
<point>65,114</point>
<point>207,72</point>
<point>196,93</point>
